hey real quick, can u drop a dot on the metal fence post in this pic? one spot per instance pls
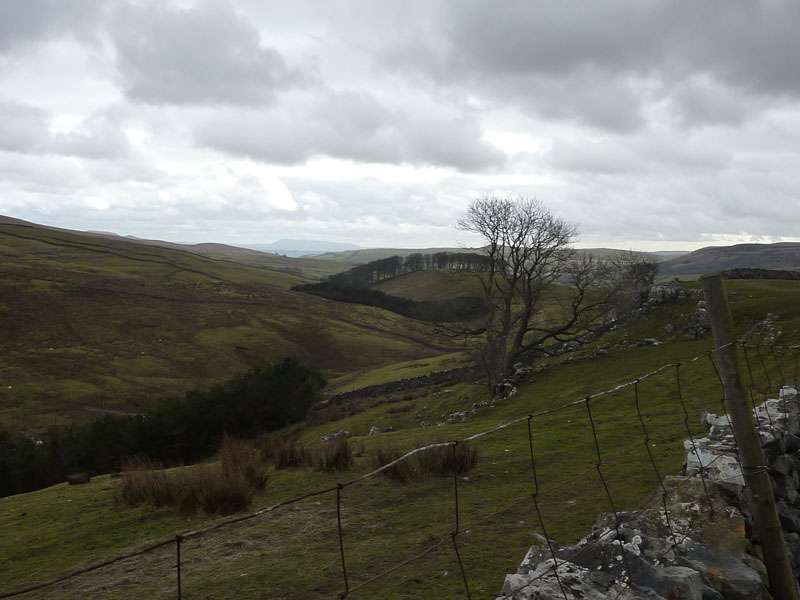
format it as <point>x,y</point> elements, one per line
<point>754,465</point>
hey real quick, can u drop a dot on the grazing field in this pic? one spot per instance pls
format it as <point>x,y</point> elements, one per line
<point>294,552</point>
<point>431,285</point>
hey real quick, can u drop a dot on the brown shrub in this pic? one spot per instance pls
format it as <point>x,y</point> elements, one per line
<point>223,487</point>
<point>208,488</point>
<point>334,454</point>
<point>78,478</point>
<point>287,452</point>
<point>403,472</point>
<point>239,459</point>
<point>439,461</point>
<point>143,481</point>
<point>448,460</point>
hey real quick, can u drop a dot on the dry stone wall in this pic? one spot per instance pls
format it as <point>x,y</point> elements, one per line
<point>696,550</point>
<point>467,373</point>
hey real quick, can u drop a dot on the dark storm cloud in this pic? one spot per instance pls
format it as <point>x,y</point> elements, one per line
<point>378,122</point>
<point>207,54</point>
<point>603,63</point>
<point>25,22</point>
<point>354,126</point>
<point>703,101</point>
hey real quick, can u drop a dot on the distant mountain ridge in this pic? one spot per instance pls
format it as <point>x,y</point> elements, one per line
<point>333,257</point>
<point>298,248</point>
<point>310,268</point>
<point>781,255</point>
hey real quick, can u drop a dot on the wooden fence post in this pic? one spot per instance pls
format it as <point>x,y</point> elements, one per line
<point>754,467</point>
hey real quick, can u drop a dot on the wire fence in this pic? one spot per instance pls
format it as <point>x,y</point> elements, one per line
<point>536,494</point>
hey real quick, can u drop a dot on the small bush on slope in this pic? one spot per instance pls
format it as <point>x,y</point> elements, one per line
<point>439,461</point>
<point>224,487</point>
<point>333,455</point>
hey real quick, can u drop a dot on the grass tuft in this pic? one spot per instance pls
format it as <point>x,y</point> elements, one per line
<point>440,461</point>
<point>404,472</point>
<point>239,459</point>
<point>333,455</point>
<point>224,487</point>
<point>286,453</point>
<point>448,460</point>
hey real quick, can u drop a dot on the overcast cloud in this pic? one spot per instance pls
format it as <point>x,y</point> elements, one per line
<point>660,124</point>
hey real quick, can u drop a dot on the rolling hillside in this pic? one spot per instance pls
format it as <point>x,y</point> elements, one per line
<point>785,255</point>
<point>431,285</point>
<point>94,324</point>
<point>301,267</point>
<point>293,552</point>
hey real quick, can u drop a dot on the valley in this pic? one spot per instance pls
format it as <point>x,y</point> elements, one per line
<point>118,326</point>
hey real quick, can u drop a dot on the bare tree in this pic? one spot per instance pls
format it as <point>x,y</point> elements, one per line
<point>537,287</point>
<point>638,271</point>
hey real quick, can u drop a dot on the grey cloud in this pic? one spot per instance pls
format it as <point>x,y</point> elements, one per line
<point>592,157</point>
<point>96,137</point>
<point>595,63</point>
<point>29,21</point>
<point>683,206</point>
<point>51,176</point>
<point>355,126</point>
<point>637,156</point>
<point>701,101</point>
<point>202,55</point>
<point>23,128</point>
<point>26,129</point>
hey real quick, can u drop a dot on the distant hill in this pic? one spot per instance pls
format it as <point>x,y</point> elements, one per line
<point>309,268</point>
<point>298,248</point>
<point>668,254</point>
<point>431,285</point>
<point>95,323</point>
<point>783,255</point>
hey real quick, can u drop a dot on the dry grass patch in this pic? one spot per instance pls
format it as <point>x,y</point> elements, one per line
<point>403,472</point>
<point>453,459</point>
<point>286,453</point>
<point>334,454</point>
<point>439,461</point>
<point>224,487</point>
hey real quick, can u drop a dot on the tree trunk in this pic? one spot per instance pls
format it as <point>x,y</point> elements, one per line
<point>494,357</point>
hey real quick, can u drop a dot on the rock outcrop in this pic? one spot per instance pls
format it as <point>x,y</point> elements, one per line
<point>699,548</point>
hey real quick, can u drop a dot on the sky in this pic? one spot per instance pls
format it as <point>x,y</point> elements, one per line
<point>650,124</point>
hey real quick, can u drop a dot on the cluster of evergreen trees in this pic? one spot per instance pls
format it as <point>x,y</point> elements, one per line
<point>354,284</point>
<point>386,268</point>
<point>179,430</point>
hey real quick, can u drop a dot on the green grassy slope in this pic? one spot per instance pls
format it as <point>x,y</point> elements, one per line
<point>32,246</point>
<point>294,552</point>
<point>92,325</point>
<point>304,267</point>
<point>431,285</point>
<point>275,263</point>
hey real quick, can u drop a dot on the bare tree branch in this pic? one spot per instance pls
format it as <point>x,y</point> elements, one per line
<point>537,287</point>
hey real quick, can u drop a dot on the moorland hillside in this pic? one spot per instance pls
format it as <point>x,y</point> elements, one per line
<point>782,256</point>
<point>294,551</point>
<point>95,324</point>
